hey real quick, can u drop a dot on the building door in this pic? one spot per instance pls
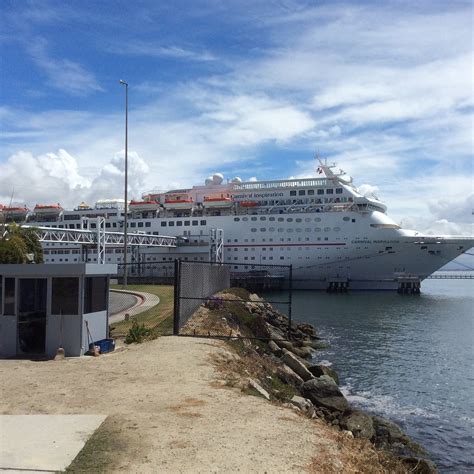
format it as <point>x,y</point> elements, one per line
<point>32,315</point>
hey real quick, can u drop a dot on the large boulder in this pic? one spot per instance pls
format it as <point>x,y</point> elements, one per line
<point>307,329</point>
<point>274,348</point>
<point>291,361</point>
<point>289,376</point>
<point>324,392</point>
<point>302,403</point>
<point>360,423</point>
<point>258,388</point>
<point>389,435</point>
<point>317,370</point>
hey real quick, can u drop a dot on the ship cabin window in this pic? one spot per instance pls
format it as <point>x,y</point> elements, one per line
<point>236,219</point>
<point>263,218</point>
<point>245,219</point>
<point>301,192</point>
<point>179,223</point>
<point>187,223</point>
<point>329,191</point>
<point>253,229</point>
<point>140,224</point>
<point>195,222</point>
<point>203,222</point>
<point>317,219</point>
<point>310,192</point>
<point>281,219</point>
<point>171,224</point>
<point>338,190</point>
<point>346,218</point>
<point>271,219</point>
<point>133,224</point>
<point>289,219</point>
<point>353,220</point>
<point>298,220</point>
<point>147,224</point>
<point>93,225</point>
<point>320,191</point>
<point>163,224</point>
<point>253,218</point>
<point>292,193</point>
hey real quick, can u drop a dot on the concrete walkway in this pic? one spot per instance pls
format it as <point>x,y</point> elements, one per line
<point>144,302</point>
<point>43,443</point>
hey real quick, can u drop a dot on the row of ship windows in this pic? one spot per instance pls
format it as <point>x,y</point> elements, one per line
<point>310,192</point>
<point>291,230</point>
<point>288,219</point>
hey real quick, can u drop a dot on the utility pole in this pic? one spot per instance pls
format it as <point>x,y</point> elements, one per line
<point>125,223</point>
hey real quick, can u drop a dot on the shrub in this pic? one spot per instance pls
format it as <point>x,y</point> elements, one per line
<point>137,333</point>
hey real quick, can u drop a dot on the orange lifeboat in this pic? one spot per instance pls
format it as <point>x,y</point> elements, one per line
<point>217,201</point>
<point>48,210</point>
<point>179,202</point>
<point>143,206</point>
<point>15,213</point>
<point>248,203</point>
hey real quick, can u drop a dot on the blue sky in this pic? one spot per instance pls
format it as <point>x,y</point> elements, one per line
<point>250,89</point>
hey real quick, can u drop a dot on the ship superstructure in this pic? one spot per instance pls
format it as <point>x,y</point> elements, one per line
<point>322,226</point>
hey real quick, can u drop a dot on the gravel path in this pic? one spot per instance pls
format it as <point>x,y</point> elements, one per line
<point>168,412</point>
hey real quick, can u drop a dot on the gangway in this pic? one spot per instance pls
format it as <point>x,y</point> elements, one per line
<point>100,238</point>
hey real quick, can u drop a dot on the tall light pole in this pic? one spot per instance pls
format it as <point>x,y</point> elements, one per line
<point>125,223</point>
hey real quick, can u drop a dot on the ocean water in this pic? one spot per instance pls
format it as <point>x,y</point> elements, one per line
<point>409,358</point>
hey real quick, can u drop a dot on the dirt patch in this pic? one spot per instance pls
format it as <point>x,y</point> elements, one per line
<point>153,394</point>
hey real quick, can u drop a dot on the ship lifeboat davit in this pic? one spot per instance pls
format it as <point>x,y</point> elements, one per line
<point>14,213</point>
<point>48,209</point>
<point>213,202</point>
<point>181,203</point>
<point>141,206</point>
<point>248,203</point>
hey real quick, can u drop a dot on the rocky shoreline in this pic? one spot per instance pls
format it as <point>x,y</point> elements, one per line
<point>281,368</point>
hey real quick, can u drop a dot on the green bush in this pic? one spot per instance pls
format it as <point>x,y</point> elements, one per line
<point>137,333</point>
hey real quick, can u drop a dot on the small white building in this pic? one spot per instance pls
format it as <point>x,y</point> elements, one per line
<point>46,306</point>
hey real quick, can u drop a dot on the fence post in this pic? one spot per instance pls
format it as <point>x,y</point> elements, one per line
<point>177,281</point>
<point>290,300</point>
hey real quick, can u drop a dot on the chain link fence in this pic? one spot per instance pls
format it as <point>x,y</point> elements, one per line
<point>217,300</point>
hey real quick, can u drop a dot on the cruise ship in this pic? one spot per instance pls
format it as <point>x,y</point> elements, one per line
<point>331,234</point>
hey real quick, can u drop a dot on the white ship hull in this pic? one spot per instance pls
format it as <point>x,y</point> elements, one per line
<point>321,226</point>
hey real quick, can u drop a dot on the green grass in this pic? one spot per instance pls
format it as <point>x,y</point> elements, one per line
<point>159,318</point>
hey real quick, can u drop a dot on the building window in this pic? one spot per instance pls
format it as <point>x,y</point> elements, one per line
<point>171,224</point>
<point>9,308</point>
<point>301,192</point>
<point>338,190</point>
<point>203,222</point>
<point>95,294</point>
<point>65,296</point>
<point>140,224</point>
<point>147,224</point>
<point>310,192</point>
<point>195,222</point>
<point>292,193</point>
<point>330,191</point>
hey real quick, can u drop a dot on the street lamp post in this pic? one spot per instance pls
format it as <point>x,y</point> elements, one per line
<point>125,223</point>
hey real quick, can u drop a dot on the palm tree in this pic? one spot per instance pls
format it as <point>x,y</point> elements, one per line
<point>19,245</point>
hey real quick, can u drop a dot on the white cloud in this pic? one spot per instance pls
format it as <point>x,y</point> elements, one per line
<point>54,177</point>
<point>151,49</point>
<point>63,74</point>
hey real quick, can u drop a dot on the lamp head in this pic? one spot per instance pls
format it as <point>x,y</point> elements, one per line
<point>123,82</point>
